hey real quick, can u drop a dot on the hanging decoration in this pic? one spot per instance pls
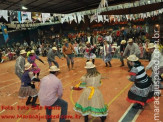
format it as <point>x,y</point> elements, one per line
<point>5,33</point>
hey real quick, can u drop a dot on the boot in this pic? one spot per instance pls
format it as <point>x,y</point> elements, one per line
<point>38,74</point>
<point>72,66</point>
<point>106,64</point>
<point>109,64</point>
<point>29,100</point>
<point>34,102</point>
<point>138,106</point>
<point>122,64</point>
<point>86,118</point>
<point>103,118</point>
<point>69,67</point>
<point>93,61</point>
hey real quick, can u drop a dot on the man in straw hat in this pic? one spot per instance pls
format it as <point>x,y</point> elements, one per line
<point>20,62</point>
<point>50,93</point>
<point>51,56</point>
<point>156,56</point>
<point>27,88</point>
<point>91,100</point>
<point>68,51</point>
<point>142,90</point>
<point>131,49</point>
<point>122,48</point>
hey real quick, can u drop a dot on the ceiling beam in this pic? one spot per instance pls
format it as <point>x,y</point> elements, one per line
<point>81,8</point>
<point>38,5</point>
<point>13,4</point>
<point>31,2</point>
<point>53,5</point>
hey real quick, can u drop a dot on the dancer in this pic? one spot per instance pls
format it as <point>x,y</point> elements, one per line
<point>50,94</point>
<point>31,59</point>
<point>27,88</point>
<point>20,62</point>
<point>107,53</point>
<point>51,57</point>
<point>142,90</point>
<point>91,101</point>
<point>122,48</point>
<point>68,51</point>
<point>89,52</point>
<point>131,49</point>
<point>157,55</point>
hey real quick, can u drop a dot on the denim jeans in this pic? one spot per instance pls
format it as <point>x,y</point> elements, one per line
<point>70,58</point>
<point>64,106</point>
<point>55,63</point>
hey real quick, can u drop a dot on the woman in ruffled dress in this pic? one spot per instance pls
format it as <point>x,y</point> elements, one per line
<point>89,52</point>
<point>31,59</point>
<point>142,90</point>
<point>27,88</point>
<point>91,101</point>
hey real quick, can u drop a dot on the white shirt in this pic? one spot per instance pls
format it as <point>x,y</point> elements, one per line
<point>156,55</point>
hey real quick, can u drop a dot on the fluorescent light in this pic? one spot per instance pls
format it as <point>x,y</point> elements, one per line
<point>24,8</point>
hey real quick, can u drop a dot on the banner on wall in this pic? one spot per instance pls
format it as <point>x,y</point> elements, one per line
<point>46,17</point>
<point>4,13</point>
<point>26,16</point>
<point>5,33</point>
<point>13,16</point>
<point>36,16</point>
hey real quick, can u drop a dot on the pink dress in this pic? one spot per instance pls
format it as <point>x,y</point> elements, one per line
<point>31,59</point>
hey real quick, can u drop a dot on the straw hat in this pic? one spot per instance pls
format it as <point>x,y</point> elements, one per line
<point>28,66</point>
<point>23,52</point>
<point>130,40</point>
<point>147,40</point>
<point>133,58</point>
<point>151,45</point>
<point>89,65</point>
<point>54,69</point>
<point>87,43</point>
<point>123,42</point>
<point>54,48</point>
<point>32,51</point>
<point>162,75</point>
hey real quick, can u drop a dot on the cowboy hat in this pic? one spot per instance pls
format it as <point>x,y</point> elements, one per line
<point>28,66</point>
<point>130,40</point>
<point>151,45</point>
<point>87,43</point>
<point>32,51</point>
<point>54,69</point>
<point>89,65</point>
<point>133,58</point>
<point>54,48</point>
<point>23,52</point>
<point>162,75</point>
<point>123,42</point>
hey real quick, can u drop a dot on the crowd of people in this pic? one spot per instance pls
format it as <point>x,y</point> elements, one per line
<point>78,40</point>
<point>132,45</point>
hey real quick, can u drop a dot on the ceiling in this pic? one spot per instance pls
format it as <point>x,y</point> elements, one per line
<point>55,6</point>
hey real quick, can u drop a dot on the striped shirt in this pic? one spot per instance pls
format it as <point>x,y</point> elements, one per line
<point>138,74</point>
